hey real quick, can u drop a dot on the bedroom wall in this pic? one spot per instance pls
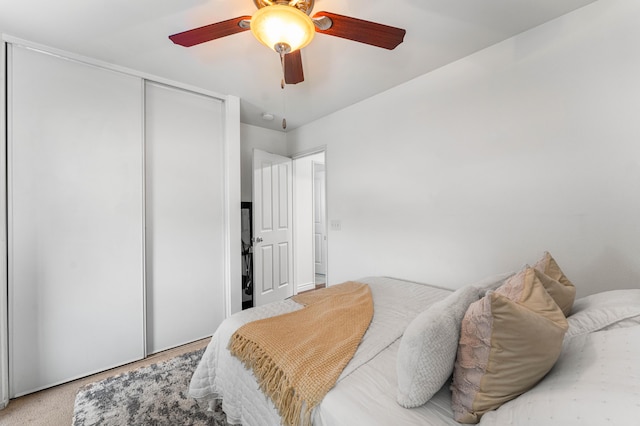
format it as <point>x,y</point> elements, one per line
<point>252,137</point>
<point>480,166</point>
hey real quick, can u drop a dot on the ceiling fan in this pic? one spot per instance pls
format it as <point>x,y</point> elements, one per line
<point>286,27</point>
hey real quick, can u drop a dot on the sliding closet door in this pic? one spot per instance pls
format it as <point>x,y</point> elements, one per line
<point>185,216</point>
<point>75,194</point>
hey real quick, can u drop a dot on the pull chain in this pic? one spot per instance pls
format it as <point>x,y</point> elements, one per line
<point>284,107</point>
<point>284,97</point>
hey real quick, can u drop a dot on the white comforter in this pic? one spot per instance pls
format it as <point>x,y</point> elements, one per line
<point>365,392</point>
<point>596,380</point>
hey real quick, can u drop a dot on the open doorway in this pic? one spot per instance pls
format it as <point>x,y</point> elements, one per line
<point>310,227</point>
<point>319,223</point>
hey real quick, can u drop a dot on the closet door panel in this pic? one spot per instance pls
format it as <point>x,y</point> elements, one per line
<point>184,216</point>
<point>75,219</point>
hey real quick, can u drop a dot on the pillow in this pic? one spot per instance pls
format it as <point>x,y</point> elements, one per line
<point>509,340</point>
<point>492,282</point>
<point>561,294</point>
<point>606,310</point>
<point>428,348</point>
<point>565,293</point>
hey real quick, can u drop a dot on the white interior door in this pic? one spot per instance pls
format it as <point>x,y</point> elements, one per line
<point>319,219</point>
<point>75,195</point>
<point>184,216</point>
<point>272,222</point>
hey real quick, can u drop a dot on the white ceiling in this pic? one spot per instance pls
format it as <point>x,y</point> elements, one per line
<point>338,72</point>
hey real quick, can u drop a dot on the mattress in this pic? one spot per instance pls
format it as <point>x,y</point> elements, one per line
<point>365,392</point>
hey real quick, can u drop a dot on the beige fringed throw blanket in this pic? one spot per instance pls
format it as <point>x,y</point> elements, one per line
<point>297,357</point>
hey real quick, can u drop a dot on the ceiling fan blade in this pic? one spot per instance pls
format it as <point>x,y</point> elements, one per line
<point>210,32</point>
<point>293,73</point>
<point>362,31</point>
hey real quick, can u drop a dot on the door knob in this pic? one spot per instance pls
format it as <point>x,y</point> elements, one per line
<point>257,240</point>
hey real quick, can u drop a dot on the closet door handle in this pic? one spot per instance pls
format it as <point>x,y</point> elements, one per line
<point>257,240</point>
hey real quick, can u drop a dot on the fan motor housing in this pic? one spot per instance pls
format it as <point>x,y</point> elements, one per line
<point>304,5</point>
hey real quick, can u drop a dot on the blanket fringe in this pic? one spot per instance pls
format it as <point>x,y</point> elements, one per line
<point>274,383</point>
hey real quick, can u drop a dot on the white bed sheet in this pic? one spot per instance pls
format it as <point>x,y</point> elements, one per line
<point>365,392</point>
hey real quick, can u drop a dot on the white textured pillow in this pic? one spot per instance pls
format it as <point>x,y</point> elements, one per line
<point>428,348</point>
<point>605,310</point>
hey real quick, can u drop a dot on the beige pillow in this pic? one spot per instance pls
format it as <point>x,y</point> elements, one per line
<point>509,340</point>
<point>565,293</point>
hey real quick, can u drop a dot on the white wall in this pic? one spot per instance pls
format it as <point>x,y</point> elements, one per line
<point>303,236</point>
<point>476,168</point>
<point>252,137</point>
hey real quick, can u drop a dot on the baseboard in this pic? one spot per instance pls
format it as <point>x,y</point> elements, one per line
<point>306,287</point>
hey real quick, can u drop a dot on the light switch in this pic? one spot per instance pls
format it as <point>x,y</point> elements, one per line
<point>336,225</point>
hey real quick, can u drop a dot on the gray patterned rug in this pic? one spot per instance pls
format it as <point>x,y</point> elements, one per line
<point>154,395</point>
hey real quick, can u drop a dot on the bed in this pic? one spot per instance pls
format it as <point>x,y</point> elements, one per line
<point>596,379</point>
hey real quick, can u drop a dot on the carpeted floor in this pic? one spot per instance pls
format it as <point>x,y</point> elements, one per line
<point>54,406</point>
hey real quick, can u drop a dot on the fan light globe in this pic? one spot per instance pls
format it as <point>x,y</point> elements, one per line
<point>279,25</point>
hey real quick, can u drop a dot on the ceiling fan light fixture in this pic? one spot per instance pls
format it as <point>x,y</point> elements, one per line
<point>278,25</point>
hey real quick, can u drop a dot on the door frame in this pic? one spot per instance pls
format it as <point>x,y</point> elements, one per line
<point>296,213</point>
<point>4,303</point>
